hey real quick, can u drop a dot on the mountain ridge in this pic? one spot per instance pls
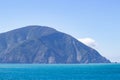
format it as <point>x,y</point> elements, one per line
<point>41,44</point>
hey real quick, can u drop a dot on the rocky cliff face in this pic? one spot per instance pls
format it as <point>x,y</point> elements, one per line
<point>37,44</point>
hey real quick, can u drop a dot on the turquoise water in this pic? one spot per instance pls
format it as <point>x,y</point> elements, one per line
<point>60,72</point>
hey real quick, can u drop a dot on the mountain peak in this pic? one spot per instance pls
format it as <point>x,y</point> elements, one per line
<point>40,44</point>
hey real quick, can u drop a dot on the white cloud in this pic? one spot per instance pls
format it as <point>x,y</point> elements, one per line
<point>89,42</point>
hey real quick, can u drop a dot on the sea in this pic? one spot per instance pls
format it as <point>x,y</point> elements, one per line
<point>59,71</point>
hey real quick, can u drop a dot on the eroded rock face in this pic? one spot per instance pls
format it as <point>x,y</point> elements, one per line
<point>37,44</point>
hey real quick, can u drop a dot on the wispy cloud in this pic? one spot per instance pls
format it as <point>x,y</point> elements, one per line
<point>89,42</point>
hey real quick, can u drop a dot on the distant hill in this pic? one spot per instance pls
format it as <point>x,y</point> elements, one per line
<point>38,44</point>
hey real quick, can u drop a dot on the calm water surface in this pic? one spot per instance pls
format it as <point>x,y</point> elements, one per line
<point>60,72</point>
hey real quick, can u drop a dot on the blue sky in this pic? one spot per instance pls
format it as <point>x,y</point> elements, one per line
<point>96,21</point>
